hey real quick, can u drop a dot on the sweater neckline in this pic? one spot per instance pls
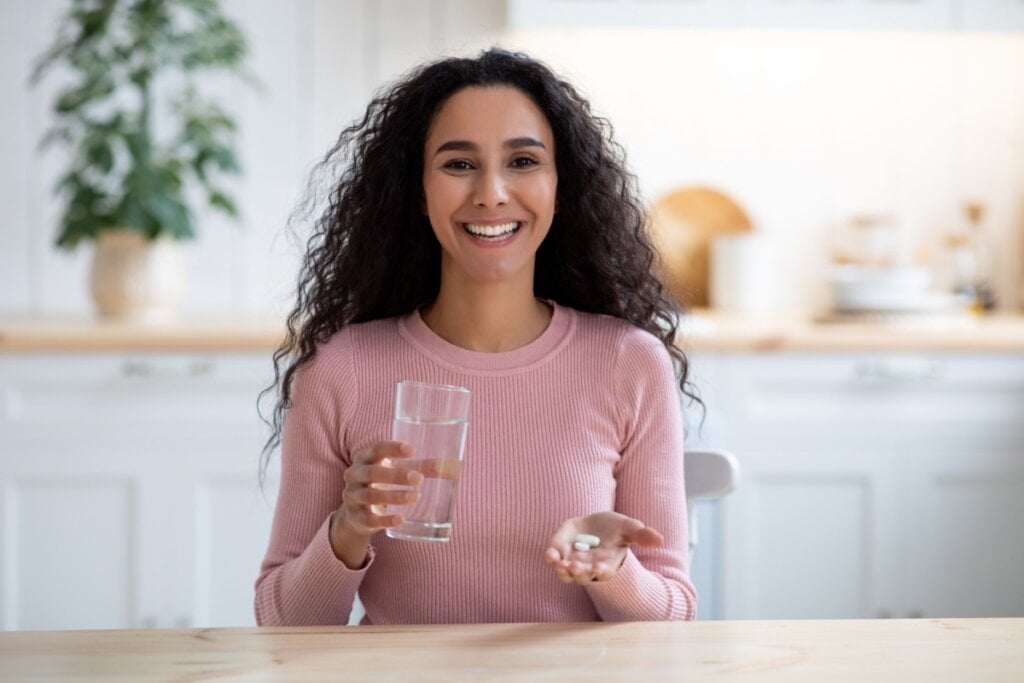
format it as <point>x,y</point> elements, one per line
<point>555,335</point>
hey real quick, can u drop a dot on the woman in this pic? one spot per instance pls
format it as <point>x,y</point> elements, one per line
<point>485,233</point>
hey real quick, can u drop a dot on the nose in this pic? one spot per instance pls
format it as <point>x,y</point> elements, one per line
<point>490,190</point>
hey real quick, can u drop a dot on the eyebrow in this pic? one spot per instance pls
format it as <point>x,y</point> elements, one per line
<point>467,146</point>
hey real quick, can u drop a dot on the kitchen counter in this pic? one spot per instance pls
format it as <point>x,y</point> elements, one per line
<point>193,333</point>
<point>792,651</point>
<point>704,330</point>
<point>707,330</point>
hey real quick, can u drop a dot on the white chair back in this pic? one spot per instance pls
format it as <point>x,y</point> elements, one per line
<point>708,473</point>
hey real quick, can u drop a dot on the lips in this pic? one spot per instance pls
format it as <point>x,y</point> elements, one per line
<point>492,233</point>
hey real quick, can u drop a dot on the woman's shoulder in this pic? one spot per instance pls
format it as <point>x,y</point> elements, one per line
<point>337,352</point>
<point>355,336</point>
<point>624,335</point>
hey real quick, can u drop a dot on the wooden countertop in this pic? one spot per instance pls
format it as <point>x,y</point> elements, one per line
<point>710,331</point>
<point>705,330</point>
<point>196,333</point>
<point>793,651</point>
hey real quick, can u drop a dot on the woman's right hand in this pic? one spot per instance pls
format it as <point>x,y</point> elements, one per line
<point>368,492</point>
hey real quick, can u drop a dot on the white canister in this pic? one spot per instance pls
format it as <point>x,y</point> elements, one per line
<point>743,275</point>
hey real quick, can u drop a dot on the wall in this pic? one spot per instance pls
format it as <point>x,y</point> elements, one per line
<point>318,60</point>
<point>803,128</point>
<point>806,128</point>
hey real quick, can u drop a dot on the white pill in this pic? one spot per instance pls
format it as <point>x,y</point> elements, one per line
<point>589,539</point>
<point>581,546</point>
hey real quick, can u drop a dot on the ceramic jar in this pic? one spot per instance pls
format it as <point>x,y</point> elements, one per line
<point>136,279</point>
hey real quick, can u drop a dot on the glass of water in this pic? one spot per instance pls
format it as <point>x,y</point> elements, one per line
<point>433,418</point>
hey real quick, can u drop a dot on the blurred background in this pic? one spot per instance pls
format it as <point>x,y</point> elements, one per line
<point>810,116</point>
<point>806,162</point>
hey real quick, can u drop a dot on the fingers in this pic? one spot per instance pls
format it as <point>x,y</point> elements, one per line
<point>437,468</point>
<point>599,563</point>
<point>583,566</point>
<point>383,474</point>
<point>381,451</point>
<point>372,483</point>
<point>367,496</point>
<point>365,520</point>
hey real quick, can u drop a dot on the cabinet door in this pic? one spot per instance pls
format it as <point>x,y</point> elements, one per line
<point>811,533</point>
<point>571,13</point>
<point>846,14</point>
<point>70,539</point>
<point>230,518</point>
<point>814,530</point>
<point>853,14</point>
<point>706,428</point>
<point>102,526</point>
<point>859,472</point>
<point>966,500</point>
<point>966,549</point>
<point>216,517</point>
<point>993,15</point>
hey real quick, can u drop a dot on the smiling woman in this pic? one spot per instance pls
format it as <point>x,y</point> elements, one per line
<point>490,199</point>
<point>484,233</point>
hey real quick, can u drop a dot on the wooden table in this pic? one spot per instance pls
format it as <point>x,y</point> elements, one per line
<point>818,651</point>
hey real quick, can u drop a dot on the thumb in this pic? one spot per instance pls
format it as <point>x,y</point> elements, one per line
<point>635,533</point>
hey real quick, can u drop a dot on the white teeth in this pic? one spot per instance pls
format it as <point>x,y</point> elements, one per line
<point>492,230</point>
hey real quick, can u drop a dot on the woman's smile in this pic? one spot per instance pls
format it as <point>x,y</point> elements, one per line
<point>489,184</point>
<point>493,234</point>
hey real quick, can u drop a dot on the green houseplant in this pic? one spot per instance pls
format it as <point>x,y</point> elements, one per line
<point>147,148</point>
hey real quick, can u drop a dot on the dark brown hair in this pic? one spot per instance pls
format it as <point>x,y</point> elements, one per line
<point>597,256</point>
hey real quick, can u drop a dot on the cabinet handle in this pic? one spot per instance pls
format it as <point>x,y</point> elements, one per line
<point>150,370</point>
<point>899,370</point>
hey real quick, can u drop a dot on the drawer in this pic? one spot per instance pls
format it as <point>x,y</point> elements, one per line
<point>129,390</point>
<point>865,391</point>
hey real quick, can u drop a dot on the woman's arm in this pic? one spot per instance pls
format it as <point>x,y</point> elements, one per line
<point>652,583</point>
<point>302,581</point>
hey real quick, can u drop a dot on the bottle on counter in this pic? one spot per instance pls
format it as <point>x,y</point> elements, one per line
<point>971,259</point>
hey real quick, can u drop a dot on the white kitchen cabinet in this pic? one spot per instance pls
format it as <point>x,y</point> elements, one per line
<point>874,485</point>
<point>128,487</point>
<point>705,428</point>
<point>845,14</point>
<point>880,484</point>
<point>994,15</point>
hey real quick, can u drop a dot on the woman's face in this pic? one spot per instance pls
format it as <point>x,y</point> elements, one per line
<point>489,184</point>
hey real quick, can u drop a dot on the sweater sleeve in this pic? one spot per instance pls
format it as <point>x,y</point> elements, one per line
<point>301,581</point>
<point>653,584</point>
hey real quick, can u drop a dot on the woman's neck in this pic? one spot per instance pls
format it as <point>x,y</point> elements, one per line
<point>487,319</point>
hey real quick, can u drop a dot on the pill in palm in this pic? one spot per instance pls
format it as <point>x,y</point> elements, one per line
<point>581,546</point>
<point>589,539</point>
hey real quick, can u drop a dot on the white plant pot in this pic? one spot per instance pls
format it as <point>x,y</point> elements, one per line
<point>136,279</point>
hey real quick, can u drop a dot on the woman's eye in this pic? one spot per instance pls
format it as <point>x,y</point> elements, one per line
<point>523,162</point>
<point>458,165</point>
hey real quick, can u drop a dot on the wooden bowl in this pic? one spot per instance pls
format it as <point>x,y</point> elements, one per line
<point>682,225</point>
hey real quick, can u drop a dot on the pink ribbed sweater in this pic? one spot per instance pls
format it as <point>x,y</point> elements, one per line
<point>584,418</point>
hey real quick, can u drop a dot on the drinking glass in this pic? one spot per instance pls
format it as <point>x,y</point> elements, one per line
<point>433,418</point>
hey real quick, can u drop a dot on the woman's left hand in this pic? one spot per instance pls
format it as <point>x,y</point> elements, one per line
<point>616,531</point>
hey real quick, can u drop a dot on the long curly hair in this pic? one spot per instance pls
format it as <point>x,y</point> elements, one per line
<point>597,256</point>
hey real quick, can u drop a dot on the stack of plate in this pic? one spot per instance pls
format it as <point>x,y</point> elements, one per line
<point>896,289</point>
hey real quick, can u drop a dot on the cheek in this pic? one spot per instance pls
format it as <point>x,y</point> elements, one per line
<point>543,195</point>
